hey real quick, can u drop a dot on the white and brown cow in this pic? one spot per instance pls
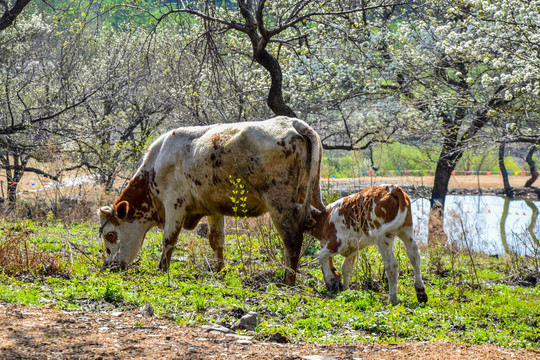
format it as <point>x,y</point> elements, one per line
<point>186,174</point>
<point>374,216</point>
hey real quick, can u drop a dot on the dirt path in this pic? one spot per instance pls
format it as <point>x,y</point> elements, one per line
<point>43,333</point>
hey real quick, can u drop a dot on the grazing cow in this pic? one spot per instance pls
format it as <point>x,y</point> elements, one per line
<point>371,217</point>
<point>186,175</point>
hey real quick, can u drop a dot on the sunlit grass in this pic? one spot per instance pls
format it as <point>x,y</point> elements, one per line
<point>496,312</point>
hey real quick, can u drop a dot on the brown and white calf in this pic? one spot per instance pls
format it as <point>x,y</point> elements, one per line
<point>374,216</point>
<point>185,176</point>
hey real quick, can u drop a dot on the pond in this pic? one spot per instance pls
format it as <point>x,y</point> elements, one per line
<point>492,224</point>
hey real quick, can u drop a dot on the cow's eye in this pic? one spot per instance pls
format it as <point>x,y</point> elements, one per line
<point>111,237</point>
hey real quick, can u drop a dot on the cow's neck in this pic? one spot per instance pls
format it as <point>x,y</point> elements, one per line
<point>138,195</point>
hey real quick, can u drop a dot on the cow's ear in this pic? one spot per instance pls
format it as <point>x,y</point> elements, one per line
<point>106,211</point>
<point>122,210</point>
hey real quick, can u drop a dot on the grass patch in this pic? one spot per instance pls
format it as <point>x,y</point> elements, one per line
<point>60,263</point>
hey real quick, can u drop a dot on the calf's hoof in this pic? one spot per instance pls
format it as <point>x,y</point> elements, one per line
<point>163,266</point>
<point>335,286</point>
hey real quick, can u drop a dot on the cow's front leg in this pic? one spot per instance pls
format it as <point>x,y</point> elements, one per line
<point>331,276</point>
<point>347,268</point>
<point>411,247</point>
<point>386,248</point>
<point>173,226</point>
<point>216,236</point>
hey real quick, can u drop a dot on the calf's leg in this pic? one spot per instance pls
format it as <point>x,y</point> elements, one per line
<point>330,275</point>
<point>411,247</point>
<point>347,268</point>
<point>386,248</point>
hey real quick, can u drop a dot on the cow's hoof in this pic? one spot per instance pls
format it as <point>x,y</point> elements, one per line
<point>421,296</point>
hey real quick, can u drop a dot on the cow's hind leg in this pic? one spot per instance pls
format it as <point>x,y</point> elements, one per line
<point>290,228</point>
<point>216,236</point>
<point>414,257</point>
<point>386,248</point>
<point>173,226</point>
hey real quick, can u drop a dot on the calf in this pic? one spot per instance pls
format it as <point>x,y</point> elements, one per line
<point>374,216</point>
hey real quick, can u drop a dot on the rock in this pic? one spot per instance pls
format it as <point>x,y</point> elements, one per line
<point>244,342</point>
<point>237,313</point>
<point>247,322</point>
<point>216,327</point>
<point>278,338</point>
<point>318,357</point>
<point>148,309</point>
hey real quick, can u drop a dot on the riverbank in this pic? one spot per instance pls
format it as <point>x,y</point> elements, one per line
<point>420,186</point>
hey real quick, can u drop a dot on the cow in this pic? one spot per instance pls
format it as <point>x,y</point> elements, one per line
<point>186,175</point>
<point>374,216</point>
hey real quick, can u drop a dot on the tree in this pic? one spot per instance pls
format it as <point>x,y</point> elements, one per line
<point>265,25</point>
<point>10,10</point>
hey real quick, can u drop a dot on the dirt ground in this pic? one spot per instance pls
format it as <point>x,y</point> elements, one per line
<point>44,333</point>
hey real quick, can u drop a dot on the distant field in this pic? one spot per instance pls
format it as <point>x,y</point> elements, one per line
<point>458,181</point>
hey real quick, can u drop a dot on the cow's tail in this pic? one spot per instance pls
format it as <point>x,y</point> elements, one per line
<point>313,189</point>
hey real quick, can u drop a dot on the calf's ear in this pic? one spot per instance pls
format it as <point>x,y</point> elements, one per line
<point>122,209</point>
<point>310,223</point>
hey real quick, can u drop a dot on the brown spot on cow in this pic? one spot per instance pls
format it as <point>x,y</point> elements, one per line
<point>215,141</point>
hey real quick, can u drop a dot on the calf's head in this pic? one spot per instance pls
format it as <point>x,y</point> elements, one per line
<point>123,239</point>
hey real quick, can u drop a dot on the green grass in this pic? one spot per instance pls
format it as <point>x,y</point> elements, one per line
<point>458,310</point>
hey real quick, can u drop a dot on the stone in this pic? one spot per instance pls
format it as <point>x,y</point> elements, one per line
<point>216,327</point>
<point>247,322</point>
<point>244,342</point>
<point>148,309</point>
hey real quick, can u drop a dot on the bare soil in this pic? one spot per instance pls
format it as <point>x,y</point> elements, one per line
<point>44,333</point>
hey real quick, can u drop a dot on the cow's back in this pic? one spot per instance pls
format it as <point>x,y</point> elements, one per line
<point>198,165</point>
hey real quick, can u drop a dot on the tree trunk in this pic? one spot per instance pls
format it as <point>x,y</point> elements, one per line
<point>275,99</point>
<point>448,159</point>
<point>508,191</point>
<point>532,166</point>
<point>14,176</point>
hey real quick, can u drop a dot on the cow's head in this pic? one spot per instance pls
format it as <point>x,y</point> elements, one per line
<point>123,238</point>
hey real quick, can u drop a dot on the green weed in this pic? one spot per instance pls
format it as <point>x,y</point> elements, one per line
<point>499,312</point>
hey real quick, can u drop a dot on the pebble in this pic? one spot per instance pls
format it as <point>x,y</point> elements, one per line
<point>244,342</point>
<point>216,327</point>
